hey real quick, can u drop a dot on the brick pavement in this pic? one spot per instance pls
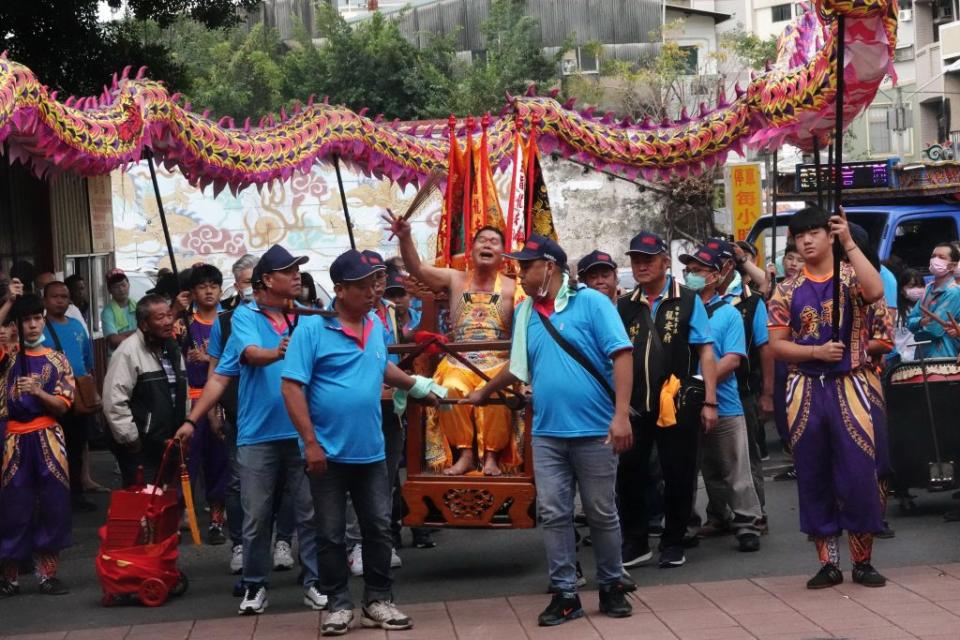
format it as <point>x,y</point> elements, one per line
<point>919,602</point>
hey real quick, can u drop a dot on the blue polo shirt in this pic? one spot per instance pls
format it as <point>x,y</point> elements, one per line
<point>761,335</point>
<point>343,374</point>
<point>75,343</point>
<point>261,413</point>
<point>570,403</point>
<point>115,319</point>
<point>889,286</point>
<point>726,326</point>
<point>215,343</point>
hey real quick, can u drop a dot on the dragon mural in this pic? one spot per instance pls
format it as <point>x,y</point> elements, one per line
<point>791,102</point>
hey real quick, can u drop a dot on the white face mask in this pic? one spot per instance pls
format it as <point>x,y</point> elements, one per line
<point>35,344</point>
<point>545,285</point>
<point>246,294</point>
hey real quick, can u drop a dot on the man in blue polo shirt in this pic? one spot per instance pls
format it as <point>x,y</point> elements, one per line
<point>68,336</point>
<point>724,456</point>
<point>570,345</point>
<point>267,450</point>
<point>334,372</point>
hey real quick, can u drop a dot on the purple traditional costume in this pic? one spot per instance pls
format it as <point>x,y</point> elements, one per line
<point>35,515</point>
<point>829,414</point>
<point>207,451</point>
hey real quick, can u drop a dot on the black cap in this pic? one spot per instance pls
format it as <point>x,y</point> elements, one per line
<point>594,258</point>
<point>375,258</point>
<point>353,265</point>
<point>722,246</point>
<point>276,259</point>
<point>647,242</point>
<point>704,255</point>
<point>540,248</point>
<point>747,247</point>
<point>395,280</point>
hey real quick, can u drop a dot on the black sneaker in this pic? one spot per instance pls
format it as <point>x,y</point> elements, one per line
<point>8,589</point>
<point>789,474</point>
<point>613,601</point>
<point>215,535</point>
<point>564,606</point>
<point>672,557</point>
<point>749,542</point>
<point>423,538</point>
<point>635,553</point>
<point>865,574</point>
<point>828,576</point>
<point>53,587</point>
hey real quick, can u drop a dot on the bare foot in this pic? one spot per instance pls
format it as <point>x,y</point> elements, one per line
<point>464,464</point>
<point>490,466</point>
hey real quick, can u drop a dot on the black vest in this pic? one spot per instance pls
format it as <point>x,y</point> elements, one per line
<point>750,371</point>
<point>231,395</point>
<point>667,352</point>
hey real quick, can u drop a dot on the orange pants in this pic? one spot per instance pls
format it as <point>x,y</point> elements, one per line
<point>492,421</point>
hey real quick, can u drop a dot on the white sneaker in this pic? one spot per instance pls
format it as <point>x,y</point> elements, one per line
<point>254,600</point>
<point>395,561</point>
<point>355,560</point>
<point>314,599</point>
<point>336,623</point>
<point>282,556</point>
<point>236,559</point>
<point>384,614</point>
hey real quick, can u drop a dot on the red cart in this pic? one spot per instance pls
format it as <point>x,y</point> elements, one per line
<point>139,544</point>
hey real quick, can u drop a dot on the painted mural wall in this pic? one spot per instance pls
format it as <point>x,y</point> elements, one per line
<point>305,215</point>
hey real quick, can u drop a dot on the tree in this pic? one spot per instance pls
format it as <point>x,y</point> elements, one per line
<point>69,49</point>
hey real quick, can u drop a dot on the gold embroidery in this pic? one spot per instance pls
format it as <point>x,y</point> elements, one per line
<point>843,387</point>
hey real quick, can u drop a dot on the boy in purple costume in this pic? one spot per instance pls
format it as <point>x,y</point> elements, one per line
<point>208,452</point>
<point>828,411</point>
<point>36,388</point>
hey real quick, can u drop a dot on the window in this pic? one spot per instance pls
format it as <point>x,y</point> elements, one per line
<point>780,12</point>
<point>880,137</point>
<point>693,54</point>
<point>914,239</point>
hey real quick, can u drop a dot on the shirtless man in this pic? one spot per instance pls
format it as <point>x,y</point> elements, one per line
<point>481,308</point>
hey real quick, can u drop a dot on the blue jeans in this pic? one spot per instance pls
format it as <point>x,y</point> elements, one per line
<point>393,448</point>
<point>261,468</point>
<point>232,503</point>
<point>370,490</point>
<point>560,464</point>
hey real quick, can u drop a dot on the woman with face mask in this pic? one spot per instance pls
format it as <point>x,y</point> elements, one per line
<point>910,288</point>
<point>941,298</point>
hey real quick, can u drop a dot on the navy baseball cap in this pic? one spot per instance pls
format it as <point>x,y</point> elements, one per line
<point>647,242</point>
<point>353,265</point>
<point>747,247</point>
<point>276,259</point>
<point>594,258</point>
<point>723,247</point>
<point>540,248</point>
<point>704,255</point>
<point>395,280</point>
<point>375,259</point>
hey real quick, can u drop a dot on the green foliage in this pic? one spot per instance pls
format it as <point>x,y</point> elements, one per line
<point>750,48</point>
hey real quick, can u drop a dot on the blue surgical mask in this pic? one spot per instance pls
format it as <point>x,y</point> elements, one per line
<point>695,281</point>
<point>35,344</point>
<point>737,283</point>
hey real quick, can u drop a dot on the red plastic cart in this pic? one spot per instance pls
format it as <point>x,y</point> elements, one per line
<point>139,543</point>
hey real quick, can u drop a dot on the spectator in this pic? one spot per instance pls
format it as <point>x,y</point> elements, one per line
<point>145,391</point>
<point>242,273</point>
<point>598,271</point>
<point>119,318</point>
<point>910,288</point>
<point>79,295</point>
<point>930,318</point>
<point>42,280</point>
<point>308,291</point>
<point>408,319</point>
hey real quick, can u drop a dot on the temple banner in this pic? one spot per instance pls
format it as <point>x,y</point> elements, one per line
<point>744,198</point>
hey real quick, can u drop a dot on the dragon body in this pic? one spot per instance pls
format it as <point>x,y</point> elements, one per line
<point>792,102</point>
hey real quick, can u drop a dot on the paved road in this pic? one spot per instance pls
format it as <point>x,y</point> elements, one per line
<point>465,564</point>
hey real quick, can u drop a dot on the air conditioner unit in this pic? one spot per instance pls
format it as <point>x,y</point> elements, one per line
<point>906,15</point>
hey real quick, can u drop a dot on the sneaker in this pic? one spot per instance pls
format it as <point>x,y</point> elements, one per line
<point>355,560</point>
<point>635,553</point>
<point>314,599</point>
<point>672,557</point>
<point>613,601</point>
<point>581,579</point>
<point>865,574</point>
<point>236,559</point>
<point>789,474</point>
<point>887,533</point>
<point>564,606</point>
<point>383,614</point>
<point>282,556</point>
<point>828,576</point>
<point>423,539</point>
<point>254,600</point>
<point>336,623</point>
<point>55,587</point>
<point>8,588</point>
<point>749,542</point>
<point>395,561</point>
<point>215,535</point>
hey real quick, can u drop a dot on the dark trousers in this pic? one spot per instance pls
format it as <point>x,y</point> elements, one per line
<point>677,450</point>
<point>75,434</point>
<point>751,413</point>
<point>370,488</point>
